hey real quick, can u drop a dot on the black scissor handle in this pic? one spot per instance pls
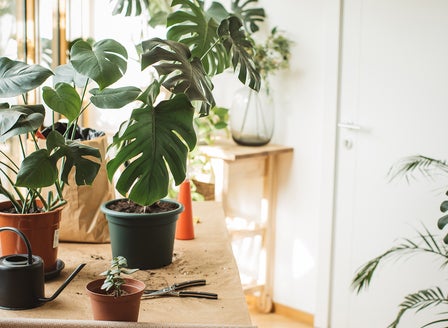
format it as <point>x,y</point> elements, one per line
<point>212,296</point>
<point>190,283</point>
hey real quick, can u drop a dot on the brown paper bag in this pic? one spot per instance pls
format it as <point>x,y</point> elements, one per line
<point>81,218</point>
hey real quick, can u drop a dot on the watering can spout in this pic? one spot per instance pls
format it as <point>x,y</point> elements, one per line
<point>66,282</point>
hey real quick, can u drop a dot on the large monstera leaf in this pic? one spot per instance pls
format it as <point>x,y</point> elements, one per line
<point>154,139</point>
<point>39,169</point>
<point>105,62</point>
<point>251,16</point>
<point>197,28</point>
<point>20,119</point>
<point>236,43</point>
<point>180,72</point>
<point>17,78</point>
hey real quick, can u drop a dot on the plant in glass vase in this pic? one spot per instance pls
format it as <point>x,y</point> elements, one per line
<point>252,113</point>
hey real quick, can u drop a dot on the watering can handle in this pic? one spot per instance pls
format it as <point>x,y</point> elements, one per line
<point>25,240</point>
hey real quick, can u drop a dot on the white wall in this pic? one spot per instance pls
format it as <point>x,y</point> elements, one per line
<point>299,117</point>
<point>298,95</point>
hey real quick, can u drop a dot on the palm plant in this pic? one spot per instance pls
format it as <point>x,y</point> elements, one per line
<point>426,243</point>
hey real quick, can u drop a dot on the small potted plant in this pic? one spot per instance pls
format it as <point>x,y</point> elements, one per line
<point>49,163</point>
<point>154,142</point>
<point>115,298</point>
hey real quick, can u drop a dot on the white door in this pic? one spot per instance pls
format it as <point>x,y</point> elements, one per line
<point>393,103</point>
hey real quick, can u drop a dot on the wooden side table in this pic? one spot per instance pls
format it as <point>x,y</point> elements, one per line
<point>246,184</point>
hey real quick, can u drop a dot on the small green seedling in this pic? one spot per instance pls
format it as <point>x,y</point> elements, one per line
<point>113,282</point>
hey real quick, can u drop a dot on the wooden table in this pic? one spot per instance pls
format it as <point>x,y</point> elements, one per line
<point>209,256</point>
<point>246,184</point>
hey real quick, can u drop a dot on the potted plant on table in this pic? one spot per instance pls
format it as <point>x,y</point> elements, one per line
<point>115,298</point>
<point>31,207</point>
<point>158,135</point>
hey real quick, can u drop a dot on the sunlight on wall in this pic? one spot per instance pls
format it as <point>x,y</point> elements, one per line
<point>302,260</point>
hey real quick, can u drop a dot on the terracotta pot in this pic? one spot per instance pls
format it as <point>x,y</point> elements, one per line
<point>110,308</point>
<point>41,229</point>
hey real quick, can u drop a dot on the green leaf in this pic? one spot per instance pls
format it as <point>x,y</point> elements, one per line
<point>128,271</point>
<point>66,73</point>
<point>197,28</point>
<point>444,206</point>
<point>105,62</point>
<point>426,243</point>
<point>20,119</point>
<point>250,15</point>
<point>418,301</point>
<point>37,170</point>
<point>77,155</point>
<point>157,9</point>
<point>129,7</point>
<point>153,140</point>
<point>64,99</point>
<point>442,222</point>
<point>181,72</point>
<point>422,165</point>
<point>114,98</point>
<point>17,78</point>
<point>151,93</point>
<point>236,43</point>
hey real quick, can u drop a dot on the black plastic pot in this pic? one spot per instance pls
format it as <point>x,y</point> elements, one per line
<point>146,240</point>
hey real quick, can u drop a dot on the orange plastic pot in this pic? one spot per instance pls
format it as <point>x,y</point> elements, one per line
<point>41,229</point>
<point>110,308</point>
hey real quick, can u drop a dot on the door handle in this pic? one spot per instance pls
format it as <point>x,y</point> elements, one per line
<point>349,126</point>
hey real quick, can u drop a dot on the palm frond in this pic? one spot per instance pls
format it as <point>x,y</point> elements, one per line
<point>434,322</point>
<point>419,301</point>
<point>425,166</point>
<point>426,244</point>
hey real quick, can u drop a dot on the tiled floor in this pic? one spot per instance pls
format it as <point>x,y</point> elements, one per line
<point>272,320</point>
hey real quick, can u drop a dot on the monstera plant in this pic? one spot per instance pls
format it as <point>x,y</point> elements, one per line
<point>33,164</point>
<point>104,63</point>
<point>201,42</point>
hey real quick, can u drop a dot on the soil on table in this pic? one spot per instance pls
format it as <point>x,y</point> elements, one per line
<point>128,206</point>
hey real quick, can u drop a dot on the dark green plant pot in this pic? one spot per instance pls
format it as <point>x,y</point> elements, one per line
<point>146,240</point>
